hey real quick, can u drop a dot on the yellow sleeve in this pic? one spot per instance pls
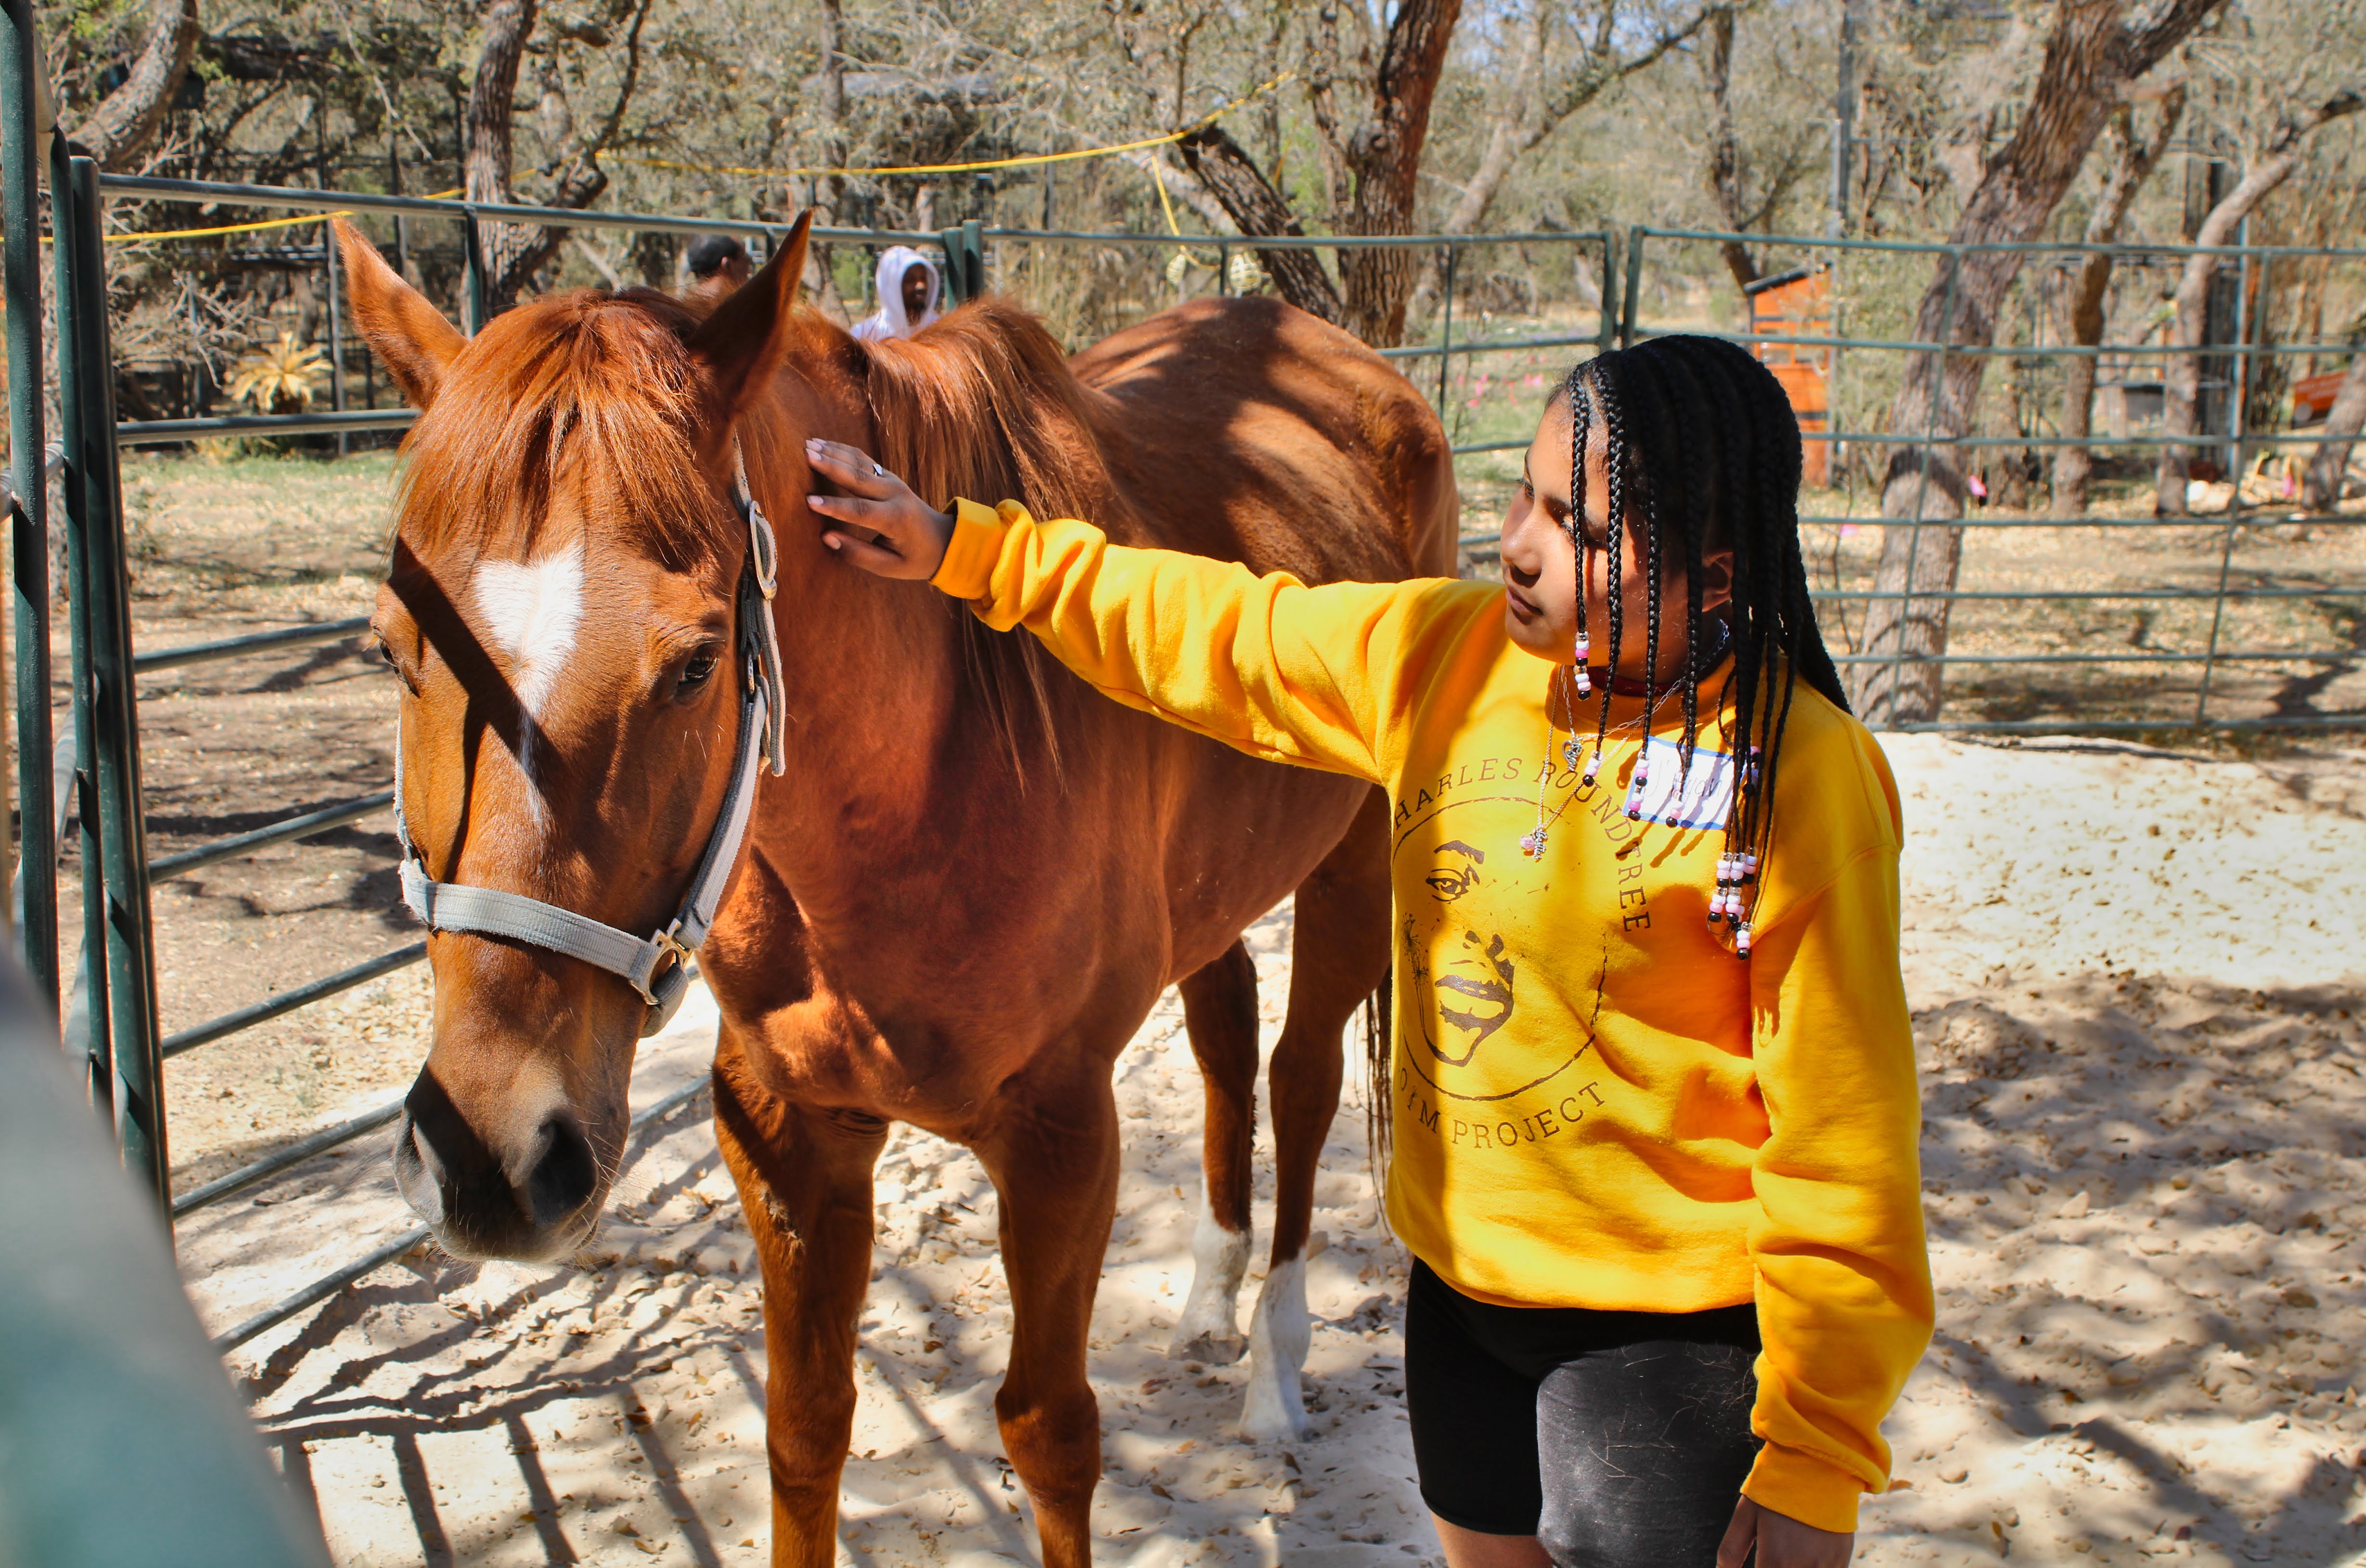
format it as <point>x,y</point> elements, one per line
<point>1267,665</point>
<point>1843,1275</point>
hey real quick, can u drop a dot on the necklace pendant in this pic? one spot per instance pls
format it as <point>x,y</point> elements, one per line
<point>1532,845</point>
<point>1572,753</point>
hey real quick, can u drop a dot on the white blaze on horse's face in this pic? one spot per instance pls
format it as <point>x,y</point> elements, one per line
<point>531,611</point>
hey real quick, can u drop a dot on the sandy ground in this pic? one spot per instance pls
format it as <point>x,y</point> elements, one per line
<point>2136,982</point>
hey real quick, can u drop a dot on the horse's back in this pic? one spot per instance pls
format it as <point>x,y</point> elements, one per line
<point>1250,430</point>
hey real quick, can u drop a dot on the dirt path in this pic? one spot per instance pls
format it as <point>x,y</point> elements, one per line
<point>2137,986</point>
<point>2147,1178</point>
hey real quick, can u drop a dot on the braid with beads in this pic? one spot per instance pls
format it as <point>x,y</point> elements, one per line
<point>1702,451</point>
<point>1615,491</point>
<point>1580,423</point>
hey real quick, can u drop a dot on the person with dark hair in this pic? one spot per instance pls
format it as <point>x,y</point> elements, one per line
<point>1653,1087</point>
<point>719,264</point>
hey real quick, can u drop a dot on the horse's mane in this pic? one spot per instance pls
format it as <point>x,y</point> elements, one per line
<point>982,404</point>
<point>590,372</point>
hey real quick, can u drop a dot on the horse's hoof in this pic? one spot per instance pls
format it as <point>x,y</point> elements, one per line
<point>1274,1411</point>
<point>1213,1348</point>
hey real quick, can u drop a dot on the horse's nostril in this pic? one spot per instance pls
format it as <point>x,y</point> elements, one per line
<point>564,1176</point>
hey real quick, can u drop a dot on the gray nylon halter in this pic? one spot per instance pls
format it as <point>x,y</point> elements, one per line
<point>488,911</point>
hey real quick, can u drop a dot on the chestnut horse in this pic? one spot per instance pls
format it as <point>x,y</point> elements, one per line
<point>974,878</point>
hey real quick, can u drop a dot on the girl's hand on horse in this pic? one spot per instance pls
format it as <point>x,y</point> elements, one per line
<point>890,532</point>
<point>1782,1542</point>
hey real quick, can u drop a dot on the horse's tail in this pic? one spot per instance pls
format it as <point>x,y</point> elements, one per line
<point>1378,1091</point>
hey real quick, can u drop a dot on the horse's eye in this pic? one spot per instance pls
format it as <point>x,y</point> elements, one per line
<point>694,675</point>
<point>386,656</point>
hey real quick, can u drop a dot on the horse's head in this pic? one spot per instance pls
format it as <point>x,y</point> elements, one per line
<point>565,612</point>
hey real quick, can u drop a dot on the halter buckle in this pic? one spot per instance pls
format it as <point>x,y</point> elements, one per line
<point>667,941</point>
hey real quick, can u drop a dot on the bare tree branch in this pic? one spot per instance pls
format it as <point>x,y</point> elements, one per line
<point>125,120</point>
<point>1258,211</point>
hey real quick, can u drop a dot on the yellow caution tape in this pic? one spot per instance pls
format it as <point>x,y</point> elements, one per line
<point>1031,159</point>
<point>241,228</point>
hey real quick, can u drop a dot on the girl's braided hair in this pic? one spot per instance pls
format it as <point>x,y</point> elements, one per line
<point>1702,451</point>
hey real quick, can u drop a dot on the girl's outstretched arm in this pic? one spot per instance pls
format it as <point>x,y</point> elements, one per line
<point>1268,665</point>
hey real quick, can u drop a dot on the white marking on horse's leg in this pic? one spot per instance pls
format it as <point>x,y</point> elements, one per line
<point>1210,1328</point>
<point>1280,1333</point>
<point>531,611</point>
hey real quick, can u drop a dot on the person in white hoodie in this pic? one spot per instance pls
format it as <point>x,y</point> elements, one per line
<point>908,296</point>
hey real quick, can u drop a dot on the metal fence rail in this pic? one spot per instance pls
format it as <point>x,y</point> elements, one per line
<point>123,1043</point>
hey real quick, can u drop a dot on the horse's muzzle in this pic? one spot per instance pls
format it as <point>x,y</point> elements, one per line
<point>535,1202</point>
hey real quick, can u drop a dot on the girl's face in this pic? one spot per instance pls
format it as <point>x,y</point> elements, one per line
<point>1541,561</point>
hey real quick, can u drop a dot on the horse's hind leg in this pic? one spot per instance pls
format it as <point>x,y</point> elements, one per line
<point>1219,1013</point>
<point>805,1190</point>
<point>1339,953</point>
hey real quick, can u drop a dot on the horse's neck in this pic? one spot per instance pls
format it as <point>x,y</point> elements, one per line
<point>872,675</point>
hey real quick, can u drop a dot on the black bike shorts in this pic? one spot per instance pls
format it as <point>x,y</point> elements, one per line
<point>1620,1439</point>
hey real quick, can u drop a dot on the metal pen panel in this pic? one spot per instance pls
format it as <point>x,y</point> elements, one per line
<point>83,446</point>
<point>22,92</point>
<point>130,944</point>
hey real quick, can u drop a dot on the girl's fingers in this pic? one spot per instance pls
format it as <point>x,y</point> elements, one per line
<point>854,468</point>
<point>878,516</point>
<point>871,557</point>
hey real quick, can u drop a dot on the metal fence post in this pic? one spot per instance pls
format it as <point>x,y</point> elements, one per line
<point>22,93</point>
<point>1445,331</point>
<point>1922,479</point>
<point>1606,312</point>
<point>472,259</point>
<point>1628,295</point>
<point>97,1040</point>
<point>114,736</point>
<point>2240,421</point>
<point>336,324</point>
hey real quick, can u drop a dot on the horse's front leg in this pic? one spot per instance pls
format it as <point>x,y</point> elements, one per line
<point>804,1188</point>
<point>1054,1157</point>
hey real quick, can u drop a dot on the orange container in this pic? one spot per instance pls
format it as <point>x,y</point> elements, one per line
<point>2313,398</point>
<point>1799,304</point>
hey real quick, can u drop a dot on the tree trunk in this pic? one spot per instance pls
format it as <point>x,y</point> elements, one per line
<point>2139,156</point>
<point>125,120</point>
<point>2183,382</point>
<point>511,252</point>
<point>1724,170</point>
<point>1382,157</point>
<point>821,275</point>
<point>2321,486</point>
<point>2090,57</point>
<point>1258,209</point>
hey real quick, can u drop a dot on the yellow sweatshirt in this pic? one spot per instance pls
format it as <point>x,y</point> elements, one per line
<point>1595,1103</point>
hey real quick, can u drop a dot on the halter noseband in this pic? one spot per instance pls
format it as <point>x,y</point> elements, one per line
<point>657,966</point>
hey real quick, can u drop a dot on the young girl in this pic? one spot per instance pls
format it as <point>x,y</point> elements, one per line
<point>1653,1083</point>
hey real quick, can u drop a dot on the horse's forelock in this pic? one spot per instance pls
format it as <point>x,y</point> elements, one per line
<point>598,380</point>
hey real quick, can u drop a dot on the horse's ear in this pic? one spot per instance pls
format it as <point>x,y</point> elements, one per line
<point>743,342</point>
<point>410,334</point>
